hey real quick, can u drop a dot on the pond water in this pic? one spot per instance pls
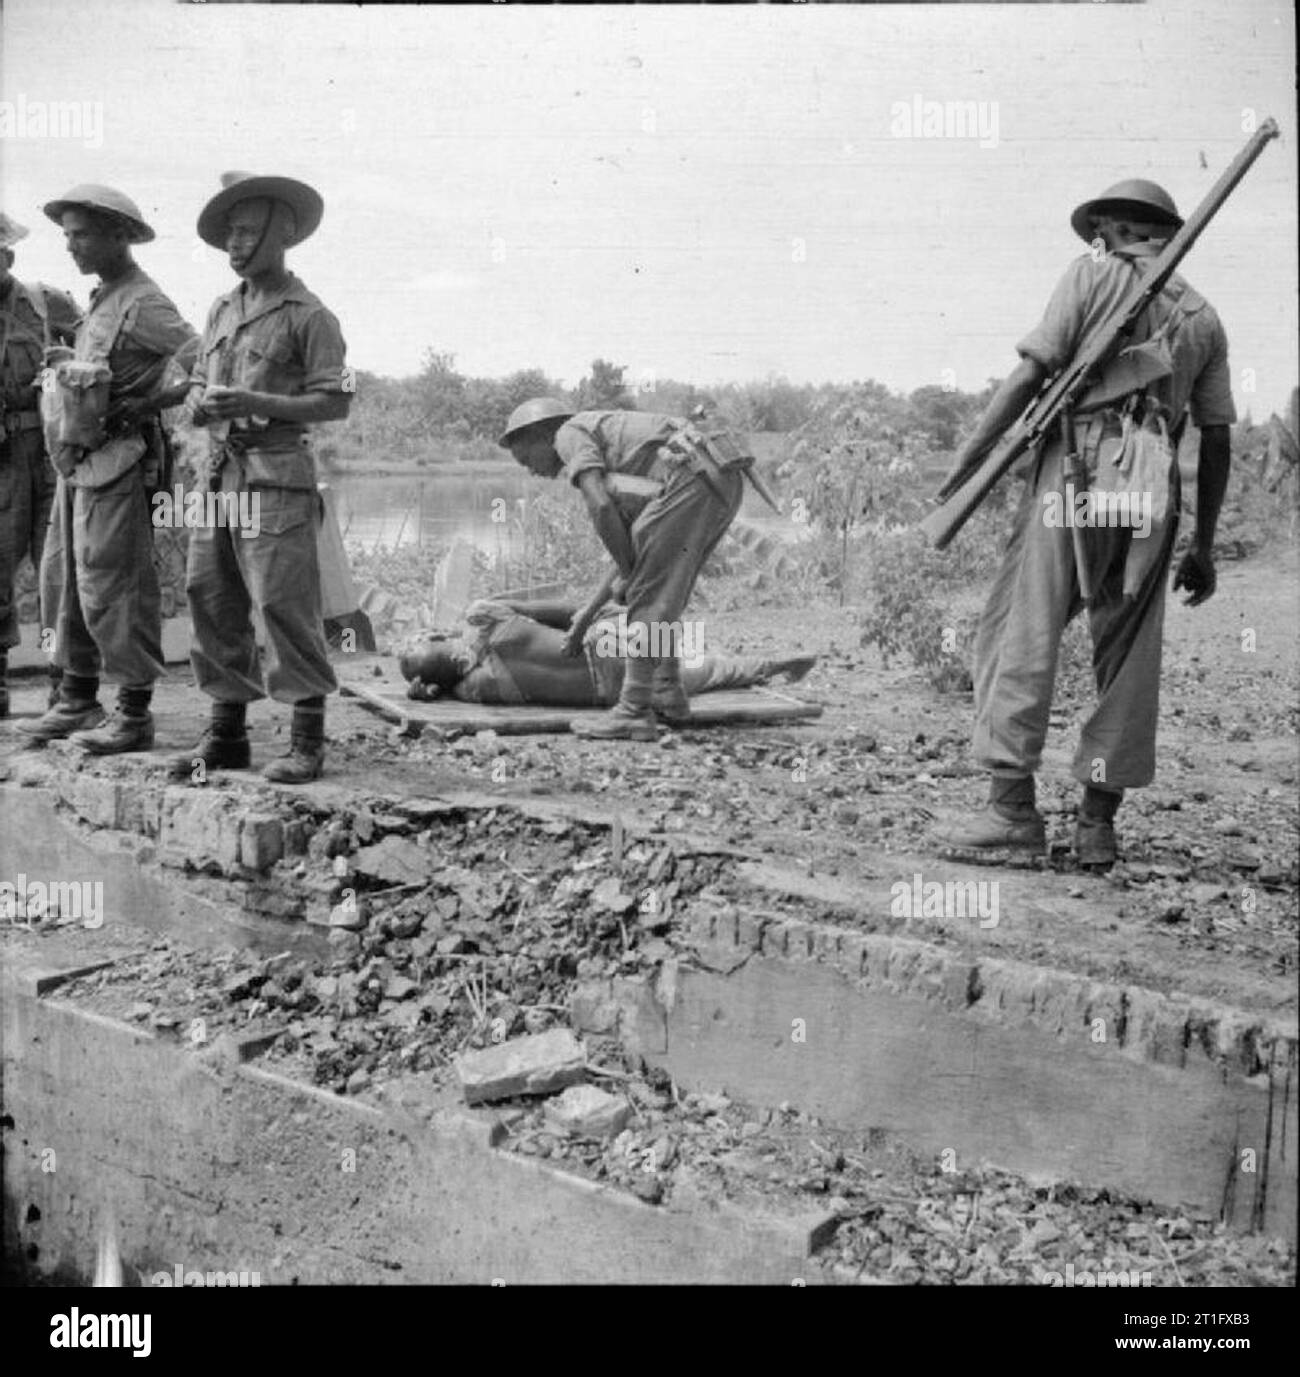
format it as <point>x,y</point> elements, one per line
<point>394,512</point>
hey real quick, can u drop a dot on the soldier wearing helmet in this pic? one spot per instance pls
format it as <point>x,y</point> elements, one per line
<point>1036,591</point>
<point>661,494</point>
<point>33,319</point>
<point>99,588</point>
<point>271,363</point>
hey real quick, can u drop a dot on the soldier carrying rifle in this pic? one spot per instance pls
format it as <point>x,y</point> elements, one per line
<point>1124,434</point>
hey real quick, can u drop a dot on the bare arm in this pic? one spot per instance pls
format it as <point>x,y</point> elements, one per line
<point>548,612</point>
<point>1018,389</point>
<point>225,404</point>
<point>606,519</point>
<point>1195,570</point>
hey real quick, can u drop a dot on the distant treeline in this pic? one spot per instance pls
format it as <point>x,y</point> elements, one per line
<point>442,415</point>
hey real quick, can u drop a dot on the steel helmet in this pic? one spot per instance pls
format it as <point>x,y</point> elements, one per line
<point>89,196</point>
<point>11,231</point>
<point>529,413</point>
<point>1137,197</point>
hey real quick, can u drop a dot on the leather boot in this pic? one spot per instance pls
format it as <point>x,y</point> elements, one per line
<point>631,718</point>
<point>130,728</point>
<point>668,700</point>
<point>305,758</point>
<point>1009,822</point>
<point>223,745</point>
<point>4,683</point>
<point>1094,831</point>
<point>77,709</point>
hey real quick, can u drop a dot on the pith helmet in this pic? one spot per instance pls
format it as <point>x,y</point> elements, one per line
<point>89,196</point>
<point>529,413</point>
<point>11,231</point>
<point>303,200</point>
<point>1137,197</point>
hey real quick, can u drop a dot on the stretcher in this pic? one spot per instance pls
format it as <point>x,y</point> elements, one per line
<point>385,695</point>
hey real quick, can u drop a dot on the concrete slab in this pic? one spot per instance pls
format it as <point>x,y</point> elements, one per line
<point>225,1167</point>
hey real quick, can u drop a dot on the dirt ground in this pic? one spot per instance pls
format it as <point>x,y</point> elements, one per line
<point>819,820</point>
<point>836,811</point>
<point>1204,901</point>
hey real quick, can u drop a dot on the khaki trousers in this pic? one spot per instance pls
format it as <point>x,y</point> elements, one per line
<point>99,587</point>
<point>1034,596</point>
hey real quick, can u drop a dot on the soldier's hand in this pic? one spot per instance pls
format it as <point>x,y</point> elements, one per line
<point>193,407</point>
<point>1196,574</point>
<point>66,458</point>
<point>227,403</point>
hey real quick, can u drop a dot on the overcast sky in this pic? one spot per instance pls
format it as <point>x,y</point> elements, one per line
<point>702,193</point>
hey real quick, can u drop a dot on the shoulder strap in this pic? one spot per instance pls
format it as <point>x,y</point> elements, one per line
<point>36,294</point>
<point>123,304</point>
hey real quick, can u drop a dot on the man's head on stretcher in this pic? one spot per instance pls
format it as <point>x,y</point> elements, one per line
<point>435,665</point>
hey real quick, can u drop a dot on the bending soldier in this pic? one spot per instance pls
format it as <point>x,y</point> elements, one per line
<point>661,493</point>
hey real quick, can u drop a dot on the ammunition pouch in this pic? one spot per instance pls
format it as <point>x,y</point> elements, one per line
<point>1131,370</point>
<point>74,403</point>
<point>704,446</point>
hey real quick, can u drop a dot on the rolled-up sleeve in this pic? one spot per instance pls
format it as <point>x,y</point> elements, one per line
<point>578,445</point>
<point>159,328</point>
<point>1211,399</point>
<point>324,352</point>
<point>1056,337</point>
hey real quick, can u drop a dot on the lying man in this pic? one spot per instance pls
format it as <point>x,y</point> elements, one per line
<point>514,653</point>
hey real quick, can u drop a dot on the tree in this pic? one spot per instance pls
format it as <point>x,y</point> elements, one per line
<point>605,389</point>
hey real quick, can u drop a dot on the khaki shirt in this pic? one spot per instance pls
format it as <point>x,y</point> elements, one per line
<point>289,344</point>
<point>615,441</point>
<point>1089,294</point>
<point>23,334</point>
<point>134,327</point>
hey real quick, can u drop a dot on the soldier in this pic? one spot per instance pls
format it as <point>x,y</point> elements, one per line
<point>1036,591</point>
<point>99,588</point>
<point>33,318</point>
<point>271,363</point>
<point>661,493</point>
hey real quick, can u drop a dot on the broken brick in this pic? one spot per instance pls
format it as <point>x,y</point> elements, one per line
<point>588,1112</point>
<point>536,1064</point>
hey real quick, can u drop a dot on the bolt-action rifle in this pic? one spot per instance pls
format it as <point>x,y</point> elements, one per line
<point>1069,390</point>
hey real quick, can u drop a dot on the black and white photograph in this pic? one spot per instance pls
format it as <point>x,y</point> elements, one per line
<point>649,645</point>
